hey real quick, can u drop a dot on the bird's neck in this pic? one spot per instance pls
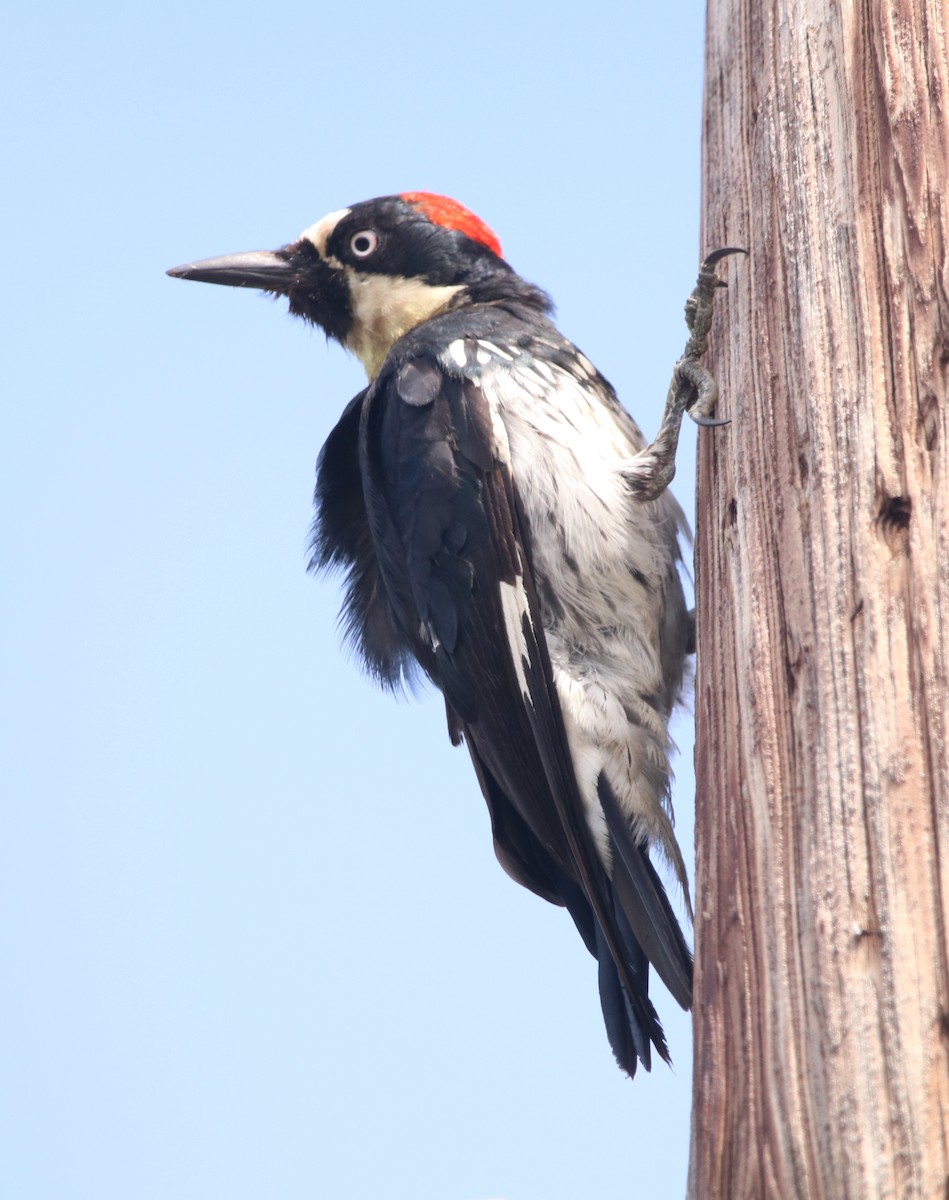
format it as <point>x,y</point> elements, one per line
<point>385,308</point>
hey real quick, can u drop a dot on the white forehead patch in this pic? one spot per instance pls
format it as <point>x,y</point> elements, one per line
<point>319,233</point>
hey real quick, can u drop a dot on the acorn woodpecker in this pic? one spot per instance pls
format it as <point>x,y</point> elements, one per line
<point>503,526</point>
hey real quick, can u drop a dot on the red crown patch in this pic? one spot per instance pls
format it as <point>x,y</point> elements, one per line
<point>442,210</point>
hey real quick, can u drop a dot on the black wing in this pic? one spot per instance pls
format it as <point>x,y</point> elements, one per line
<point>341,540</point>
<point>452,557</point>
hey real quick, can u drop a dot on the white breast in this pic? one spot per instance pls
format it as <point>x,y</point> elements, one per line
<point>605,566</point>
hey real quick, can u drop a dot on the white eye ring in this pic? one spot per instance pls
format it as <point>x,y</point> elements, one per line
<point>364,243</point>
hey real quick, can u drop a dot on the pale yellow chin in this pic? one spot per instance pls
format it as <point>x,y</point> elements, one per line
<point>385,309</point>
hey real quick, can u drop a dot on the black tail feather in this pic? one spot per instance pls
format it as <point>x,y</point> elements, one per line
<point>627,1039</point>
<point>645,904</point>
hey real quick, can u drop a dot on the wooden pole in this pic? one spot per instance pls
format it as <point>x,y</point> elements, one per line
<point>822,695</point>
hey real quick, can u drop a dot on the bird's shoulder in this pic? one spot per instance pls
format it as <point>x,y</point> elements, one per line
<point>514,358</point>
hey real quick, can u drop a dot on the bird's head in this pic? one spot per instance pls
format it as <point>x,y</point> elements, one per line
<point>370,273</point>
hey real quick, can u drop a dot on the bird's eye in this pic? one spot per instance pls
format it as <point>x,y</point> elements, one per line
<point>364,242</point>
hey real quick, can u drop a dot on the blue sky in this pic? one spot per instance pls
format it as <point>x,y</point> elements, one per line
<point>255,940</point>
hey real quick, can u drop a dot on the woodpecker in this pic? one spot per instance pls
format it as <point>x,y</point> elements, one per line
<point>504,528</point>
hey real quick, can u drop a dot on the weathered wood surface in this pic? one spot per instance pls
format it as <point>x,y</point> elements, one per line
<point>822,696</point>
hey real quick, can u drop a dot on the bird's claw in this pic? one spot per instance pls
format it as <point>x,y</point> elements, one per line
<point>700,304</point>
<point>710,422</point>
<point>693,388</point>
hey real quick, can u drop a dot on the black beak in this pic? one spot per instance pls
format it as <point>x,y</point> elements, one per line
<point>264,269</point>
<point>317,292</point>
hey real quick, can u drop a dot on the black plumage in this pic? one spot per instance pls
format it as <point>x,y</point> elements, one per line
<point>548,611</point>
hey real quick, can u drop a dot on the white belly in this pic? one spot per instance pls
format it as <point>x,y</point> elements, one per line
<point>605,567</point>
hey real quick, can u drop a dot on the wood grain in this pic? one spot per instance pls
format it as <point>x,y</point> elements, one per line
<point>822,694</point>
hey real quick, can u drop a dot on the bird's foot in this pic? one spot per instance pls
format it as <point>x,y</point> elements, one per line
<point>693,389</point>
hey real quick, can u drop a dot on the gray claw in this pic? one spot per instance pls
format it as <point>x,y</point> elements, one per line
<point>693,388</point>
<point>718,255</point>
